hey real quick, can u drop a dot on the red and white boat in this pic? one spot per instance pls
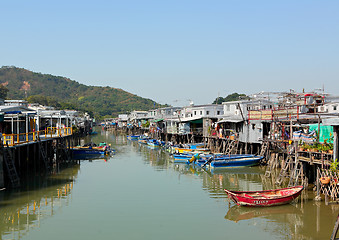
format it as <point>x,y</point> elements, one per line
<point>265,198</point>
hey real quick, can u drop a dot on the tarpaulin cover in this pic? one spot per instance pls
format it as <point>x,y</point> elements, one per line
<point>326,132</point>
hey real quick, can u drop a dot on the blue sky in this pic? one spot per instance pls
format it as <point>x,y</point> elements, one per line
<point>173,51</point>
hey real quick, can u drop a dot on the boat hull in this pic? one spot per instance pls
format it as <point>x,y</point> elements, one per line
<point>80,151</point>
<point>184,150</point>
<point>184,157</point>
<point>238,162</point>
<point>265,198</point>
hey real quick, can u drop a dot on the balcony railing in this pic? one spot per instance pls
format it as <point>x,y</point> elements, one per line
<point>21,138</point>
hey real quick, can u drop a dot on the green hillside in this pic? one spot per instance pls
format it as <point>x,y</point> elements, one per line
<point>65,93</point>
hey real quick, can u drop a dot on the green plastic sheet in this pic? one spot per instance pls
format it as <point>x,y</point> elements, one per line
<point>326,132</point>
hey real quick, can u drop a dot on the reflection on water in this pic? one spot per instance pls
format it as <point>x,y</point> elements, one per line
<point>24,210</point>
<point>238,213</point>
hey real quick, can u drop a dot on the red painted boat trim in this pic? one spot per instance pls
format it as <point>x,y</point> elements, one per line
<point>266,197</point>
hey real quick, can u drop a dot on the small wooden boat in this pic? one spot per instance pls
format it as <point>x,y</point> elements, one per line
<point>188,149</point>
<point>204,157</point>
<point>236,162</point>
<point>92,150</point>
<point>231,161</point>
<point>265,198</point>
<point>153,143</point>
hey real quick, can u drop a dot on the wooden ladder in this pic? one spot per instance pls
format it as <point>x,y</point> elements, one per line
<point>271,164</point>
<point>264,148</point>
<point>284,171</point>
<point>230,147</point>
<point>296,174</point>
<point>10,166</point>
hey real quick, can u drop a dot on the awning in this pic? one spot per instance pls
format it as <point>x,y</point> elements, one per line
<point>197,121</point>
<point>190,119</point>
<point>230,120</point>
<point>158,120</point>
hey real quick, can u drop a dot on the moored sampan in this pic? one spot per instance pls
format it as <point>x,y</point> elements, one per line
<point>265,198</point>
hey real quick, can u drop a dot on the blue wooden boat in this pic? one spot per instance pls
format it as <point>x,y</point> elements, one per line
<point>201,157</point>
<point>90,150</point>
<point>232,162</point>
<point>153,143</point>
<point>87,151</point>
<point>185,157</point>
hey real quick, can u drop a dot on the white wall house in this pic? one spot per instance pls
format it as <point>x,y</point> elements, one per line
<point>164,113</point>
<point>201,111</point>
<point>236,118</point>
<point>332,107</point>
<point>239,109</point>
<point>137,115</point>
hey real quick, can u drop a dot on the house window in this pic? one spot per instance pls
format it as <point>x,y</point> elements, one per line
<point>207,112</point>
<point>218,112</point>
<point>335,108</point>
<point>228,108</point>
<point>195,113</point>
<point>200,112</point>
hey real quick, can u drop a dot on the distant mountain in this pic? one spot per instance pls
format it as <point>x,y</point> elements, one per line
<point>65,93</point>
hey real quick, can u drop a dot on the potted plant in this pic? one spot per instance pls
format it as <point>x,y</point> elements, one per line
<point>323,148</point>
<point>307,147</point>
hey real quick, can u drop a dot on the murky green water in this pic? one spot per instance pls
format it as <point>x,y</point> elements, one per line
<point>140,193</point>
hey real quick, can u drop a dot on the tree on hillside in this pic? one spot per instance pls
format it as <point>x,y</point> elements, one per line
<point>218,100</point>
<point>230,98</point>
<point>3,91</point>
<point>43,100</point>
<point>64,93</point>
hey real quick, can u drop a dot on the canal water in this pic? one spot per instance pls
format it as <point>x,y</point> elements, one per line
<point>139,193</point>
